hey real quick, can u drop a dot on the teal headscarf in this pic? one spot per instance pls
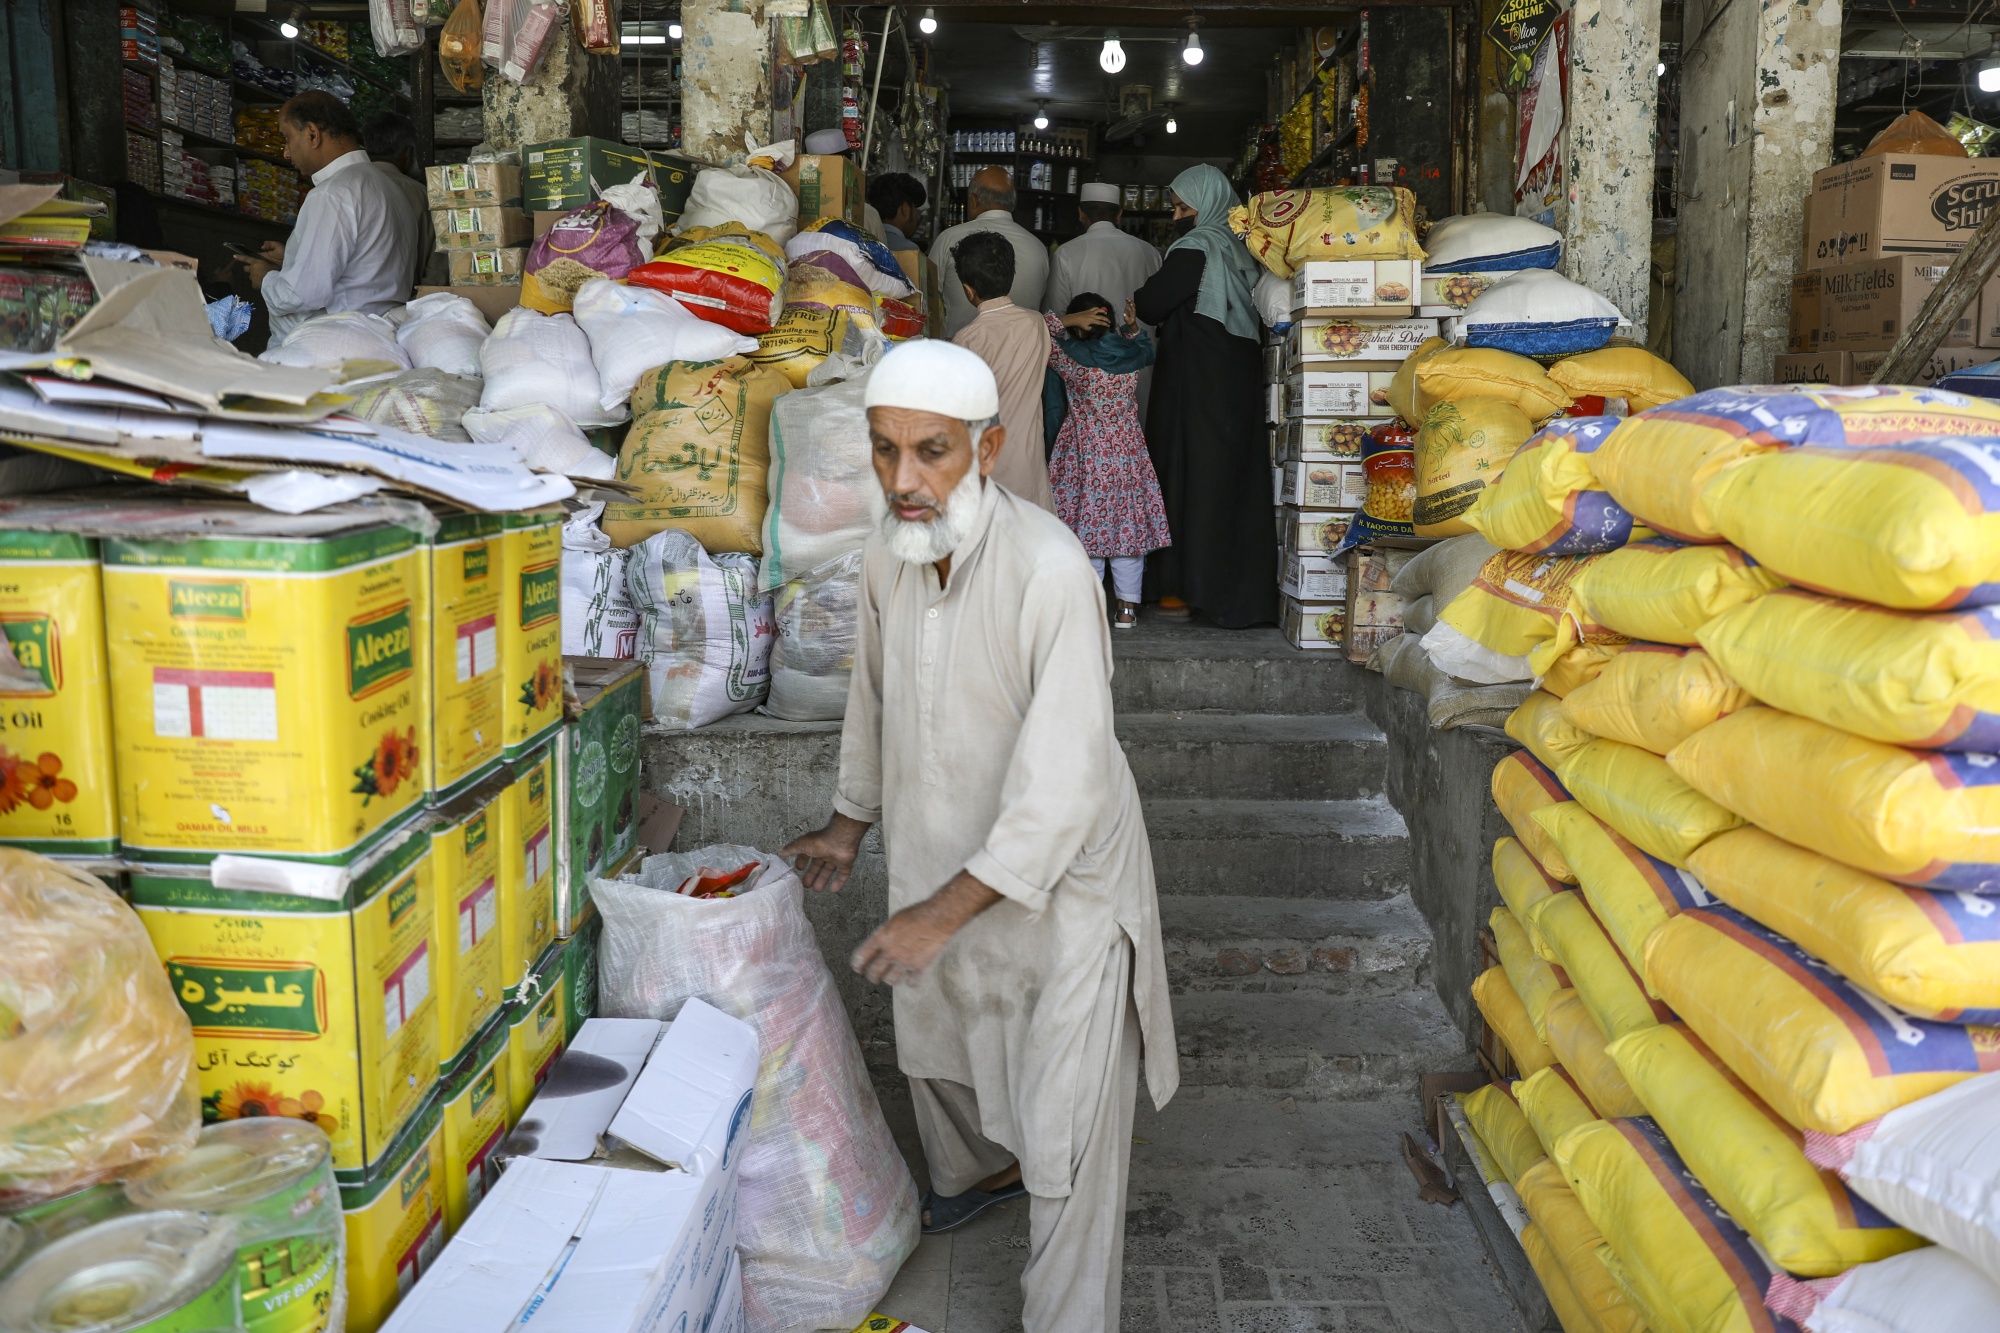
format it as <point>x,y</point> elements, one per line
<point>1230,273</point>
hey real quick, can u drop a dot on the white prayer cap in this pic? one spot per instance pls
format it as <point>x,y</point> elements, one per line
<point>931,375</point>
<point>822,143</point>
<point>1097,192</point>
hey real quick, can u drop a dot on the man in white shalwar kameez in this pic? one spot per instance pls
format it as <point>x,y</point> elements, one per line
<point>1023,940</point>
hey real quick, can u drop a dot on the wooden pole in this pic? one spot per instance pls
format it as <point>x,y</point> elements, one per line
<point>1922,336</point>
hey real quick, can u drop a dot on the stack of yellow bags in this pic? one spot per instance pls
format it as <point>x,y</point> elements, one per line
<point>1774,810</point>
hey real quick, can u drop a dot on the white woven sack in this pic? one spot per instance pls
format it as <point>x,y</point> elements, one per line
<point>752,196</point>
<point>443,332</point>
<point>704,630</point>
<point>826,1209</point>
<point>634,329</point>
<point>821,482</point>
<point>1463,657</point>
<point>1490,242</point>
<point>1273,298</point>
<point>327,342</point>
<point>1930,1290</point>
<point>536,359</point>
<point>544,439</point>
<point>812,661</point>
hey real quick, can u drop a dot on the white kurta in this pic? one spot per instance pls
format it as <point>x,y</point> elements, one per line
<point>1031,266</point>
<point>979,734</point>
<point>1112,263</point>
<point>354,248</point>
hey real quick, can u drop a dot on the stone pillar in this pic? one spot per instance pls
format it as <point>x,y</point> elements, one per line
<point>1608,171</point>
<point>572,93</point>
<point>1757,103</point>
<point>725,78</point>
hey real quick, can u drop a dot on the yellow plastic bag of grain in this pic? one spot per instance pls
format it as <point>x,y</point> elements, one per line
<point>1631,892</point>
<point>1580,665</point>
<point>1824,1054</point>
<point>1656,695</point>
<point>1546,500</point>
<point>1914,525</point>
<point>1556,1287</point>
<point>1658,464</point>
<point>1503,1129</point>
<point>1522,883</point>
<point>699,452</point>
<point>1751,1161</point>
<point>803,338</point>
<point>1919,817</point>
<point>1578,1043</point>
<point>1503,1012</point>
<point>1664,592</point>
<point>1935,955</point>
<point>1635,792</point>
<point>96,1055</point>
<point>1534,979</point>
<point>1603,980</point>
<point>1553,1103</point>
<point>1285,229</point>
<point>1521,786</point>
<point>1687,1267</point>
<point>1460,450</point>
<point>1487,372</point>
<point>1643,380</point>
<point>1538,723</point>
<point>1928,681</point>
<point>1525,605</point>
<point>1406,397</point>
<point>1565,1234</point>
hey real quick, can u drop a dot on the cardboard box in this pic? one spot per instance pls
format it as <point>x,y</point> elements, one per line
<point>1274,402</point>
<point>1444,294</point>
<point>1988,330</point>
<point>1804,331</point>
<point>1376,288</point>
<point>727,1316</point>
<point>394,1219</point>
<point>487,268</point>
<point>493,301</point>
<point>568,173</point>
<point>1274,361</point>
<point>1322,485</point>
<point>1320,343</point>
<point>1897,204</point>
<point>480,227</point>
<point>1313,626</point>
<point>597,781</point>
<point>1813,368</point>
<point>828,186</point>
<point>544,218</point>
<point>465,184</point>
<point>1314,578</point>
<point>1327,439</point>
<point>569,1128</point>
<point>1864,307</point>
<point>1338,393</point>
<point>1312,531</point>
<point>1859,367</point>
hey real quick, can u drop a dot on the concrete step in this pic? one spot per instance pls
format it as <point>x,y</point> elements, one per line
<point>1254,756</point>
<point>1316,1045</point>
<point>1279,849</point>
<point>1283,946</point>
<point>1162,667</point>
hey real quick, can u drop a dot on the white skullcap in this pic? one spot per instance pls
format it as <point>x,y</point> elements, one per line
<point>931,375</point>
<point>822,143</point>
<point>1097,192</point>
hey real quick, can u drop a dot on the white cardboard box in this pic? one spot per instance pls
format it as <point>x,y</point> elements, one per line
<point>1274,402</point>
<point>1314,578</point>
<point>691,1105</point>
<point>1440,294</point>
<point>1313,626</point>
<point>1319,485</point>
<point>1327,439</point>
<point>1366,342</point>
<point>1380,288</point>
<point>727,1316</point>
<point>1338,393</point>
<point>1312,531</point>
<point>561,1127</point>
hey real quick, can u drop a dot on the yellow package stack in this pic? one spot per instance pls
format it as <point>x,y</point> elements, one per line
<point>476,1116</point>
<point>395,1220</point>
<point>535,1030</point>
<point>468,689</point>
<point>531,628</point>
<point>465,871</point>
<point>1497,1119</point>
<point>527,866</point>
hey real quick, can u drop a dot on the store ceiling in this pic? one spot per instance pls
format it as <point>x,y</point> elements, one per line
<point>996,71</point>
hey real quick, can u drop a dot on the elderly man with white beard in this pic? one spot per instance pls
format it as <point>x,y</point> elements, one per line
<point>1023,939</point>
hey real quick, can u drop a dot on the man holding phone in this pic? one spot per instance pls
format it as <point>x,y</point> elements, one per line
<point>355,245</point>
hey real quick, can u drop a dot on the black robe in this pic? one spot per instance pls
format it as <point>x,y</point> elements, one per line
<point>1205,430</point>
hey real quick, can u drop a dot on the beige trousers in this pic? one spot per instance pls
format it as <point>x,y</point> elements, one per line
<point>1076,1245</point>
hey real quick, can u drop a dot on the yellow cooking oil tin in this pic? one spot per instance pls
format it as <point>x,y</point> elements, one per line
<point>167,1272</point>
<point>468,688</point>
<point>476,1119</point>
<point>395,1219</point>
<point>314,1009</point>
<point>531,627</point>
<point>273,1177</point>
<point>527,865</point>
<point>535,1030</point>
<point>58,787</point>
<point>264,689</point>
<point>465,870</point>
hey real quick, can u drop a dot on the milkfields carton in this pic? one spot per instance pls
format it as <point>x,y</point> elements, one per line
<point>476,1119</point>
<point>302,1007</point>
<point>531,628</point>
<point>535,1029</point>
<point>527,864</point>
<point>395,1220</point>
<point>465,870</point>
<point>468,688</point>
<point>597,781</point>
<point>264,690</point>
<point>58,789</point>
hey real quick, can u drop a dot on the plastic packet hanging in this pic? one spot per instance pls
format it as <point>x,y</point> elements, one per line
<point>596,26</point>
<point>538,29</point>
<point>394,27</point>
<point>459,46</point>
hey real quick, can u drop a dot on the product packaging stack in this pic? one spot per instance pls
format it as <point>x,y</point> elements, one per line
<point>1744,1005</point>
<point>43,289</point>
<point>480,230</point>
<point>1881,230</point>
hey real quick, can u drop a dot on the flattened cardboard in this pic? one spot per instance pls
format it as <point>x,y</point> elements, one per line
<point>691,1105</point>
<point>575,1105</point>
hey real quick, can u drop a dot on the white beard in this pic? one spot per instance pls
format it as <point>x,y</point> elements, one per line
<point>925,542</point>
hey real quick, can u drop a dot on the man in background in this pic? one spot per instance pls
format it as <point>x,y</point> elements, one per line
<point>1013,341</point>
<point>355,245</point>
<point>900,199</point>
<point>990,208</point>
<point>391,141</point>
<point>1106,260</point>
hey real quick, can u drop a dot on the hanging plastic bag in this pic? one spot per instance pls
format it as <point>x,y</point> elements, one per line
<point>1914,132</point>
<point>536,31</point>
<point>395,28</point>
<point>459,43</point>
<point>595,25</point>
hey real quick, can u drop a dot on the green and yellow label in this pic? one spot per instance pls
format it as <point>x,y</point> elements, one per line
<point>283,999</point>
<point>33,640</point>
<point>478,562</point>
<point>200,599</point>
<point>380,652</point>
<point>541,595</point>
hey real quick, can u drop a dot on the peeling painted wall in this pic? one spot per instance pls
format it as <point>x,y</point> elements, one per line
<point>1757,104</point>
<point>1608,170</point>
<point>725,78</point>
<point>571,93</point>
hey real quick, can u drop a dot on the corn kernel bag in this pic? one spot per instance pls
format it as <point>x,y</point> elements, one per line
<point>1631,893</point>
<point>1553,1103</point>
<point>1461,450</point>
<point>1522,786</point>
<point>1603,980</point>
<point>1526,606</point>
<point>1533,978</point>
<point>1504,1014</point>
<point>1932,954</point>
<point>1406,397</point>
<point>1643,380</point>
<point>1929,818</point>
<point>1503,1129</point>
<point>1750,1160</point>
<point>1579,1044</point>
<point>1285,229</point>
<point>1655,695</point>
<point>1664,591</point>
<point>1459,373</point>
<point>1635,792</point>
<point>1825,1055</point>
<point>1538,723</point>
<point>1547,502</point>
<point>1572,1241</point>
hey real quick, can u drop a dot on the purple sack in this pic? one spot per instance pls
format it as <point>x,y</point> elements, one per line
<point>595,241</point>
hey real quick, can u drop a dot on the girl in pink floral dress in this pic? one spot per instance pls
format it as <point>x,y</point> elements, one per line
<point>1100,471</point>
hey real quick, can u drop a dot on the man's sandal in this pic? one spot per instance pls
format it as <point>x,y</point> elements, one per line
<point>952,1213</point>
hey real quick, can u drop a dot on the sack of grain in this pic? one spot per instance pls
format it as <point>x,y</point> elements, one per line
<point>444,332</point>
<point>1547,502</point>
<point>1579,1044</point>
<point>595,241</point>
<point>1501,1008</point>
<point>813,657</point>
<point>1664,591</point>
<point>1520,616</point>
<point>1489,243</point>
<point>1598,972</point>
<point>1521,785</point>
<point>1461,449</point>
<point>1539,724</point>
<point>1634,792</point>
<point>1633,374</point>
<point>1458,373</point>
<point>1656,695</point>
<point>1553,1103</point>
<point>1925,1291</point>
<point>704,630</point>
<point>1285,229</point>
<point>633,330</point>
<point>1632,893</point>
<point>1406,396</point>
<point>1497,1119</point>
<point>1538,312</point>
<point>822,479</point>
<point>1573,1243</point>
<point>1534,979</point>
<point>540,360</point>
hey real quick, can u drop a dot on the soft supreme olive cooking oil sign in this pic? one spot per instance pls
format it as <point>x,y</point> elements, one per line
<point>264,692</point>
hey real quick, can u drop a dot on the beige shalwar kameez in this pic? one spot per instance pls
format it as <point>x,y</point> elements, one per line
<point>979,734</point>
<point>1014,343</point>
